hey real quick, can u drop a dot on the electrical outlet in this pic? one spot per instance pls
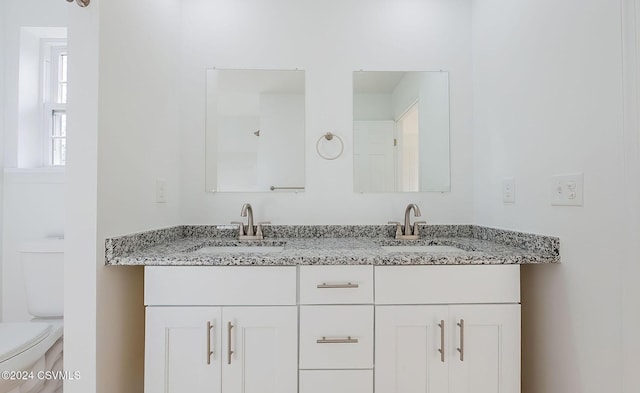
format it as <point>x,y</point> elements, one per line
<point>567,190</point>
<point>161,191</point>
<point>509,190</point>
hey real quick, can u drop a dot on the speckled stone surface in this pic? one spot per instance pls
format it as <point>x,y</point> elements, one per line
<point>330,245</point>
<point>130,244</point>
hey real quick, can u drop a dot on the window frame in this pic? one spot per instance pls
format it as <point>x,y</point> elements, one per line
<point>52,49</point>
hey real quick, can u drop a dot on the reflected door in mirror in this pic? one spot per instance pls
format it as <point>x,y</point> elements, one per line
<point>401,131</point>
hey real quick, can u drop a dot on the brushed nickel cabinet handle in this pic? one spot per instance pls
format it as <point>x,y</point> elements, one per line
<point>347,340</point>
<point>229,351</point>
<point>324,285</point>
<point>461,349</point>
<point>441,350</point>
<point>210,327</point>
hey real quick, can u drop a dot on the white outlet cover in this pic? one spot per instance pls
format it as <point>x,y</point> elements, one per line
<point>509,190</point>
<point>567,190</point>
<point>161,191</point>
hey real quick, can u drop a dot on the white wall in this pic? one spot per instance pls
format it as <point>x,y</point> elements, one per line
<point>138,142</point>
<point>111,172</point>
<point>548,100</point>
<point>431,90</point>
<point>372,106</point>
<point>281,152</point>
<point>81,244</point>
<point>287,34</point>
<point>29,101</point>
<point>631,268</point>
<point>434,135</point>
<point>245,161</point>
<point>406,93</point>
<point>235,167</point>
<point>33,209</point>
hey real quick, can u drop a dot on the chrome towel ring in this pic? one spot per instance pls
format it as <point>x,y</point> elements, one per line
<point>329,137</point>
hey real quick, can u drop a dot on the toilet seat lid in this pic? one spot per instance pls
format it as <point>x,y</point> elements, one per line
<point>17,337</point>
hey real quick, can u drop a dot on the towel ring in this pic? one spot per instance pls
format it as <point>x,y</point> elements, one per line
<point>329,136</point>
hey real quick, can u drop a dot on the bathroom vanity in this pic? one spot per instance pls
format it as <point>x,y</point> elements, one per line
<point>332,309</point>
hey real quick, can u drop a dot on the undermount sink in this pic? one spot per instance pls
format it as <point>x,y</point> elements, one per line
<point>433,248</point>
<point>239,249</point>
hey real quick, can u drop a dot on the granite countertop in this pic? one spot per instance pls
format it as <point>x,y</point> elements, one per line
<point>330,245</point>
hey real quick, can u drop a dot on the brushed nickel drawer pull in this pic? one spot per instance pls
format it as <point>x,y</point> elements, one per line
<point>210,327</point>
<point>324,285</point>
<point>441,350</point>
<point>229,351</point>
<point>461,349</point>
<point>347,340</point>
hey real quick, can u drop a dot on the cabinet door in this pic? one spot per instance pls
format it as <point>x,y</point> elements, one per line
<point>260,350</point>
<point>486,349</point>
<point>408,343</point>
<point>177,350</point>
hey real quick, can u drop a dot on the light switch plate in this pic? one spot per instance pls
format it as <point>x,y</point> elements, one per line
<point>161,191</point>
<point>567,190</point>
<point>509,190</point>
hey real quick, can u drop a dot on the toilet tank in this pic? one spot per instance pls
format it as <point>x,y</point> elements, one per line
<point>43,267</point>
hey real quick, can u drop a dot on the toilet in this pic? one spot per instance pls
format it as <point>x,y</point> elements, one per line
<point>33,349</point>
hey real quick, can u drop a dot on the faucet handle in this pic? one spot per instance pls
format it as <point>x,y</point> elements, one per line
<point>259,228</point>
<point>240,227</point>
<point>416,230</point>
<point>398,227</point>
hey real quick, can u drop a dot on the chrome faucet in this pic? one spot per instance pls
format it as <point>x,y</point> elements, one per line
<point>407,232</point>
<point>247,210</point>
<point>249,232</point>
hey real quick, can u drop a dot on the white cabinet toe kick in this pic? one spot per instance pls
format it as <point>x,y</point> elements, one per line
<point>332,328</point>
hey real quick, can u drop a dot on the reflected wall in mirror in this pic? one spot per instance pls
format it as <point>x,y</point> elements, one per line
<point>255,130</point>
<point>401,131</point>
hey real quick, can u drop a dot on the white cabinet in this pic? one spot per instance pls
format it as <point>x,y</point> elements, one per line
<point>447,284</point>
<point>336,381</point>
<point>336,329</point>
<point>220,285</point>
<point>336,337</point>
<point>176,355</point>
<point>259,349</point>
<point>342,284</point>
<point>408,340</point>
<point>490,340</point>
<point>469,348</point>
<point>220,348</point>
<point>457,349</point>
<point>340,329</point>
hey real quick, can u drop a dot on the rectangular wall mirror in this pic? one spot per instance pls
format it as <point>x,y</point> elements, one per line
<point>255,122</point>
<point>401,131</point>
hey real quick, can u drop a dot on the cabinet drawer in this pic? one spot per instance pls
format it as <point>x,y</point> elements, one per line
<point>336,381</point>
<point>219,285</point>
<point>336,284</point>
<point>447,284</point>
<point>336,337</point>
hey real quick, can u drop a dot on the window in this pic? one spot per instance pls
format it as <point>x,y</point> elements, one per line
<point>55,102</point>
